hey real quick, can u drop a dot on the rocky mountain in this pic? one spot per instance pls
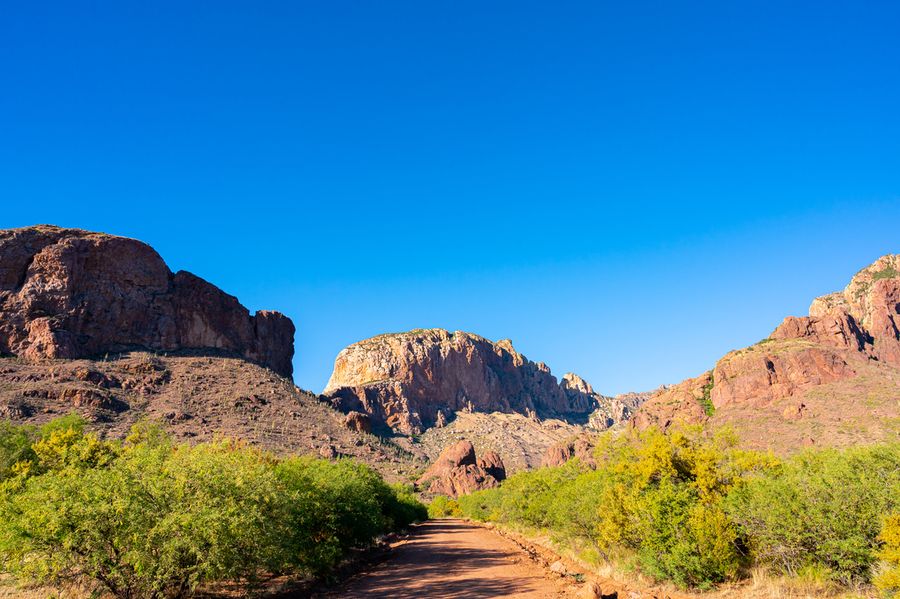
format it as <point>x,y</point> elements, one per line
<point>98,325</point>
<point>68,293</point>
<point>410,382</point>
<point>830,378</point>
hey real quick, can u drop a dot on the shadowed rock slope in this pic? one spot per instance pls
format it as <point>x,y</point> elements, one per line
<point>831,378</point>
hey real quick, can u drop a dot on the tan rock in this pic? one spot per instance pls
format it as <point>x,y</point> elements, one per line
<point>405,380</point>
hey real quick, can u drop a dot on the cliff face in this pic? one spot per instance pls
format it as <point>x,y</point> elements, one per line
<point>416,380</point>
<point>68,293</point>
<point>828,378</point>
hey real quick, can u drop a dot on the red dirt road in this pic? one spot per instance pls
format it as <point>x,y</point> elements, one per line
<point>453,558</point>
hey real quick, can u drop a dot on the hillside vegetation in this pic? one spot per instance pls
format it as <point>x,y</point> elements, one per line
<point>690,507</point>
<point>148,518</point>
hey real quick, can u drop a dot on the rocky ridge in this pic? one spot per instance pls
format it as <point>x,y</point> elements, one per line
<point>830,378</point>
<point>410,382</point>
<point>68,293</point>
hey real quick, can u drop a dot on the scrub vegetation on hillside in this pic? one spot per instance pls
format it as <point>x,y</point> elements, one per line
<point>147,518</point>
<point>691,508</point>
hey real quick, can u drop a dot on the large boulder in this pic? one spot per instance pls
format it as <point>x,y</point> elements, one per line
<point>68,293</point>
<point>410,382</point>
<point>458,471</point>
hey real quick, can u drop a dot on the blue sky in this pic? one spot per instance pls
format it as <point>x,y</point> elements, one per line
<point>627,190</point>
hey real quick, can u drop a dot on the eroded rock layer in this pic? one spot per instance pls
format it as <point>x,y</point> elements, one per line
<point>68,293</point>
<point>413,381</point>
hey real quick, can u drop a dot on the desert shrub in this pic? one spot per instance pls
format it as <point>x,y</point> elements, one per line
<point>404,508</point>
<point>148,518</point>
<point>823,510</point>
<point>145,522</point>
<point>655,497</point>
<point>17,451</point>
<point>15,447</point>
<point>662,498</point>
<point>336,506</point>
<point>888,580</point>
<point>444,507</point>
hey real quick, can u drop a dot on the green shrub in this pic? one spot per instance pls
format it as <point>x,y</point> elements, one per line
<point>823,509</point>
<point>444,507</point>
<point>654,497</point>
<point>148,518</point>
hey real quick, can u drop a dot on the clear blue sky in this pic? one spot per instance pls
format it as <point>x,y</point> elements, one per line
<point>627,190</point>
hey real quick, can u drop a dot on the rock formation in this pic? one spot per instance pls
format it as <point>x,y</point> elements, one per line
<point>458,471</point>
<point>581,447</point>
<point>412,381</point>
<point>68,293</point>
<point>817,368</point>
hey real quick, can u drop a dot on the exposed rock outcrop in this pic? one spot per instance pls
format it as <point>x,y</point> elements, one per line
<point>865,317</point>
<point>68,293</point>
<point>581,447</point>
<point>411,381</point>
<point>458,471</point>
<point>612,411</point>
<point>848,347</point>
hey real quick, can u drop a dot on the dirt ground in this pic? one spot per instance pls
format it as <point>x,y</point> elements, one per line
<point>453,558</point>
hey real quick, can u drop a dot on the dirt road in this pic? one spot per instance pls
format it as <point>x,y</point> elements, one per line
<point>452,558</point>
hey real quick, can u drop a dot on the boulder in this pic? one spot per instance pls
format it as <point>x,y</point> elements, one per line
<point>358,422</point>
<point>458,471</point>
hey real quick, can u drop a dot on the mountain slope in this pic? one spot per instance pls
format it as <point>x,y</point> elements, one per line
<point>831,378</point>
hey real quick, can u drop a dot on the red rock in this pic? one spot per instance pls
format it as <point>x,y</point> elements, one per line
<point>491,463</point>
<point>412,381</point>
<point>68,293</point>
<point>358,422</point>
<point>458,471</point>
<point>843,333</point>
<point>581,447</point>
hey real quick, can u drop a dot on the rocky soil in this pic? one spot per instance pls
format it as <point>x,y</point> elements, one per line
<point>198,398</point>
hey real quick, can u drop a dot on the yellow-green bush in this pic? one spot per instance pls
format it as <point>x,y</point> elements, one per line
<point>888,580</point>
<point>444,507</point>
<point>657,497</point>
<point>690,507</point>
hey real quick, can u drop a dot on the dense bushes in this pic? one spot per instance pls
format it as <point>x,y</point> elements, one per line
<point>696,510</point>
<point>444,507</point>
<point>821,510</point>
<point>147,518</point>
